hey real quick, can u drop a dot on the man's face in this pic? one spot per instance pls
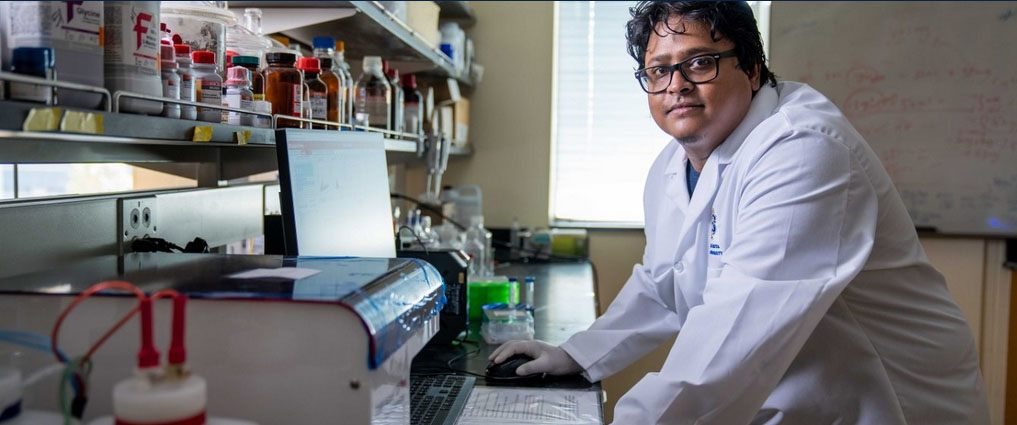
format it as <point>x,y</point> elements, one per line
<point>700,116</point>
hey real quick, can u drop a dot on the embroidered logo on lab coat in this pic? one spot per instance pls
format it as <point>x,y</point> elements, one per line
<point>714,248</point>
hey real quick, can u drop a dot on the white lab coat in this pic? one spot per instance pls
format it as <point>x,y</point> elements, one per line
<point>795,282</point>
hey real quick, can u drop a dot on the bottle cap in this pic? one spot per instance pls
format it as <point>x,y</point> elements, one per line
<point>203,56</point>
<point>281,57</point>
<point>308,65</point>
<point>177,39</point>
<point>229,56</point>
<point>182,50</point>
<point>410,81</point>
<point>238,75</point>
<point>392,74</point>
<point>372,62</point>
<point>167,56</point>
<point>323,43</point>
<point>340,46</point>
<point>32,58</point>
<point>384,66</point>
<point>325,63</point>
<point>246,60</point>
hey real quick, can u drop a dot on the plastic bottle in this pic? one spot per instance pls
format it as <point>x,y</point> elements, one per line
<point>239,95</point>
<point>208,84</point>
<point>373,96</point>
<point>11,394</point>
<point>528,295</point>
<point>413,106</point>
<point>187,87</point>
<point>35,62</point>
<point>315,91</point>
<point>170,81</point>
<point>397,100</point>
<point>478,245</point>
<point>332,75</point>
<point>72,29</point>
<point>262,121</point>
<point>283,87</point>
<point>343,69</point>
<point>131,55</point>
<point>257,80</point>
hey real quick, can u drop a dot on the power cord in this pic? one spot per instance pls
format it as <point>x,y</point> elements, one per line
<point>415,235</point>
<point>150,244</point>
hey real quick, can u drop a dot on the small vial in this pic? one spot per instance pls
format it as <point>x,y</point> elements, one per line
<point>513,292</point>
<point>529,299</point>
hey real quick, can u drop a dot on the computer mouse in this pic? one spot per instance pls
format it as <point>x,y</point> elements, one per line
<point>507,369</point>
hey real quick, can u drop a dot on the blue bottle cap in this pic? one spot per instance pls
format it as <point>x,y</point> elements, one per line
<point>530,278</point>
<point>447,50</point>
<point>28,59</point>
<point>323,42</point>
<point>513,279</point>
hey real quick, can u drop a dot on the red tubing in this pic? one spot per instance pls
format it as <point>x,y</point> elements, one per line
<point>148,355</point>
<point>178,350</point>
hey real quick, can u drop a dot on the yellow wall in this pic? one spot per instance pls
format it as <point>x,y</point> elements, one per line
<point>511,135</point>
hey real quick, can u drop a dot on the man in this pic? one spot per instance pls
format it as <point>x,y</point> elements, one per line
<point>776,248</point>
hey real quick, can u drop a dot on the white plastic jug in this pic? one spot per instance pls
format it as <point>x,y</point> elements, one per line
<point>132,53</point>
<point>72,29</point>
<point>468,202</point>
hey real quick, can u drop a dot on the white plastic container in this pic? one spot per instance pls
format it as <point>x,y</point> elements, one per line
<point>187,88</point>
<point>239,95</point>
<point>132,53</point>
<point>170,81</point>
<point>11,390</point>
<point>262,121</point>
<point>72,30</point>
<point>200,24</point>
<point>208,84</point>
<point>136,400</point>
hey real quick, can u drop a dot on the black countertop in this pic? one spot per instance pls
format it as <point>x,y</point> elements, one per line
<point>564,304</point>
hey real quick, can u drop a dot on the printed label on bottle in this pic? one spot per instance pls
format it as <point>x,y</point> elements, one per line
<point>73,25</point>
<point>132,38</point>
<point>298,106</point>
<point>170,89</point>
<point>187,91</point>
<point>377,111</point>
<point>319,106</point>
<point>210,92</point>
<point>241,101</point>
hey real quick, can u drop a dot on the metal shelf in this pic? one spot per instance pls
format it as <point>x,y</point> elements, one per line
<point>371,31</point>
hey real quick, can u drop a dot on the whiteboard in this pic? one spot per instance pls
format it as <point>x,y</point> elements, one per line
<point>932,86</point>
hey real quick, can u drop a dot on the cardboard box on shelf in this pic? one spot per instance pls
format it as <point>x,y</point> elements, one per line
<point>422,16</point>
<point>461,117</point>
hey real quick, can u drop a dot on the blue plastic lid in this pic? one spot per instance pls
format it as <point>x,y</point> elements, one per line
<point>447,50</point>
<point>32,59</point>
<point>323,42</point>
<point>513,279</point>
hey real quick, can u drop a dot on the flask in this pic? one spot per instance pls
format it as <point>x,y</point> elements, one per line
<point>187,89</point>
<point>315,91</point>
<point>208,84</point>
<point>283,87</point>
<point>239,95</point>
<point>170,81</point>
<point>373,96</point>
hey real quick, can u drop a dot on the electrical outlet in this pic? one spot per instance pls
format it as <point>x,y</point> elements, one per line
<point>137,220</point>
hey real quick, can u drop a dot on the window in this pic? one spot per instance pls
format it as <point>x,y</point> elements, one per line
<point>604,137</point>
<point>46,180</point>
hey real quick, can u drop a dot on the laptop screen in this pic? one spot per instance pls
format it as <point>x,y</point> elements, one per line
<point>334,194</point>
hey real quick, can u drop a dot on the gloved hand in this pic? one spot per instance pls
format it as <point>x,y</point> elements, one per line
<point>547,358</point>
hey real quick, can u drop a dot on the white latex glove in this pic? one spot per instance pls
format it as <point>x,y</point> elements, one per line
<point>547,358</point>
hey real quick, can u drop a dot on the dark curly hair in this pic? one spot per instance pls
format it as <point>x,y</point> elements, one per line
<point>730,19</point>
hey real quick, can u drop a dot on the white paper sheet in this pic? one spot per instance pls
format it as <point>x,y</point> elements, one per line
<point>501,405</point>
<point>294,273</point>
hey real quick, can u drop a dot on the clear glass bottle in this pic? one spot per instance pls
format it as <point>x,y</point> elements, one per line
<point>397,100</point>
<point>284,87</point>
<point>373,96</point>
<point>478,245</point>
<point>315,92</point>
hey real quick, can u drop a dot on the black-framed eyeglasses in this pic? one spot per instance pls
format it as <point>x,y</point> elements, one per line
<point>696,70</point>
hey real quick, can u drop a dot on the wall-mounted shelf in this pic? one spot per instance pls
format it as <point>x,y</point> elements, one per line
<point>371,31</point>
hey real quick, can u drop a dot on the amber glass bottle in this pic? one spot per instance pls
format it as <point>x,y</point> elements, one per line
<point>284,87</point>
<point>335,95</point>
